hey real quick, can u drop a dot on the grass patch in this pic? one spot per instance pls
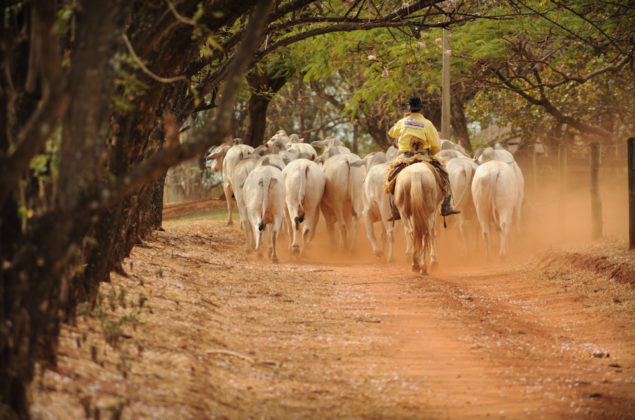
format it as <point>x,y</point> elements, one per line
<point>219,214</point>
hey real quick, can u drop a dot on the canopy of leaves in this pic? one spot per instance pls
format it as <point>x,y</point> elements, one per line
<point>531,64</point>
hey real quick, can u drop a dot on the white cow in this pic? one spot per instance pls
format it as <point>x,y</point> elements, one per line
<point>234,155</point>
<point>496,194</point>
<point>239,176</point>
<point>332,151</point>
<point>377,209</point>
<point>373,158</point>
<point>330,146</point>
<point>460,172</point>
<point>449,154</point>
<point>276,160</point>
<point>450,145</point>
<point>264,200</point>
<point>327,142</point>
<point>302,150</point>
<point>500,154</point>
<point>342,202</point>
<point>215,156</point>
<point>391,153</point>
<point>304,188</point>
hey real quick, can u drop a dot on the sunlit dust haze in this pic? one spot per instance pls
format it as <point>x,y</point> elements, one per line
<point>553,215</point>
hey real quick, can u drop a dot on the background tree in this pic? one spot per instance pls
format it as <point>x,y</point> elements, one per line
<point>557,67</point>
<point>550,69</point>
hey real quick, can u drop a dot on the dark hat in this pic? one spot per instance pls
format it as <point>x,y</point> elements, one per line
<point>415,104</point>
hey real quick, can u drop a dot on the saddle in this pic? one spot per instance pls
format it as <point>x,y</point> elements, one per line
<point>436,164</point>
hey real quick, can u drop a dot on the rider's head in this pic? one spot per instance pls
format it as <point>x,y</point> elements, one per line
<point>415,104</point>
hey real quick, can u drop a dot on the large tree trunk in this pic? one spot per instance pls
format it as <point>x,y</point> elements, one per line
<point>459,123</point>
<point>38,283</point>
<point>257,109</point>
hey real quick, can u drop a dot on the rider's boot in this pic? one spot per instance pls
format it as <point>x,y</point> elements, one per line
<point>393,209</point>
<point>446,207</point>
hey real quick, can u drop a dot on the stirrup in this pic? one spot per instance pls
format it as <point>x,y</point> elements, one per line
<point>394,217</point>
<point>449,212</point>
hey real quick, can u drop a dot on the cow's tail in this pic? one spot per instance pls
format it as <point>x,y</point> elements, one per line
<point>492,193</point>
<point>266,184</point>
<point>301,194</point>
<point>350,189</point>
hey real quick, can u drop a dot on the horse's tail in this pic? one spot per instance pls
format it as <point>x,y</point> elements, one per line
<point>418,205</point>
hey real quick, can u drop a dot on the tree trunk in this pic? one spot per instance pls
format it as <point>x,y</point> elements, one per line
<point>257,109</point>
<point>459,123</point>
<point>264,87</point>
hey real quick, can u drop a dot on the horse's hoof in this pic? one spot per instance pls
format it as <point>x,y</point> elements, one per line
<point>295,250</point>
<point>423,271</point>
<point>379,253</point>
<point>415,267</point>
<point>274,259</point>
<point>434,266</point>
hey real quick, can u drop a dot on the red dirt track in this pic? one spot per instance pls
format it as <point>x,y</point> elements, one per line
<point>548,333</point>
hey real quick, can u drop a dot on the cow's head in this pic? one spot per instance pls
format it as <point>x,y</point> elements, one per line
<point>215,156</point>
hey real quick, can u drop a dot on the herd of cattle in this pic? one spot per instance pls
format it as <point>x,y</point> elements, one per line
<point>285,184</point>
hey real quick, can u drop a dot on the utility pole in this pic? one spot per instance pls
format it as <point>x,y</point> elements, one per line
<point>445,93</point>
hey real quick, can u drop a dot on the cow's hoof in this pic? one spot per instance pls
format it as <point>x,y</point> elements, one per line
<point>415,267</point>
<point>423,271</point>
<point>274,259</point>
<point>379,253</point>
<point>295,250</point>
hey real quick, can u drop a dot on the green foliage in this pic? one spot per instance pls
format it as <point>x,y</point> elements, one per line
<point>129,86</point>
<point>550,59</point>
<point>12,12</point>
<point>545,49</point>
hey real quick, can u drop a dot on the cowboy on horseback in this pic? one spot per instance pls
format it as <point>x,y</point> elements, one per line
<point>418,141</point>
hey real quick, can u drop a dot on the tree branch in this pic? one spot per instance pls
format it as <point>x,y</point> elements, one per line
<point>590,22</point>
<point>553,111</point>
<point>171,155</point>
<point>180,17</point>
<point>54,103</point>
<point>147,70</point>
<point>553,22</point>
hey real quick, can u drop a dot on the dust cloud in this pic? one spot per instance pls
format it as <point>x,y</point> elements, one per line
<point>552,215</point>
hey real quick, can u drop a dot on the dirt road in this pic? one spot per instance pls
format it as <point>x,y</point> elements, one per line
<point>199,329</point>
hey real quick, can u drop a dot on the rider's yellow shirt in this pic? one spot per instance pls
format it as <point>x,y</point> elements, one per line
<point>415,125</point>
